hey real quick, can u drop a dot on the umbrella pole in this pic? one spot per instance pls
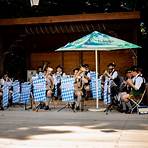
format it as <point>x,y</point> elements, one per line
<point>97,99</point>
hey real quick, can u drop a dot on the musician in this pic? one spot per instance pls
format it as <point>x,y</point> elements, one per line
<point>111,73</point>
<point>124,89</point>
<point>7,80</point>
<point>78,89</point>
<point>110,82</point>
<point>86,81</point>
<point>124,86</point>
<point>137,84</point>
<point>49,85</point>
<point>57,80</point>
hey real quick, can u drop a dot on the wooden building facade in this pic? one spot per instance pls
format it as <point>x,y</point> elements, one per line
<point>26,43</point>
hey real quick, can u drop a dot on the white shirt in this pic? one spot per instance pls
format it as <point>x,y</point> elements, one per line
<point>137,82</point>
<point>114,75</point>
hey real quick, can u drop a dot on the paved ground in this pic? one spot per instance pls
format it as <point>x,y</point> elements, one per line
<point>66,129</point>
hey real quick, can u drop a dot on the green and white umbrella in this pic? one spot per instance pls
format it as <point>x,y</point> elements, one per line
<point>97,41</point>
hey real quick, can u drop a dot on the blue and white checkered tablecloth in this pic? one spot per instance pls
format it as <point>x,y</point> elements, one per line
<point>67,89</point>
<point>39,89</point>
<point>25,92</point>
<point>5,95</point>
<point>16,92</point>
<point>92,74</point>
<point>93,88</point>
<point>107,92</point>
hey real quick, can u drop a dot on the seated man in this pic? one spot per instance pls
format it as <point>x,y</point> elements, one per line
<point>137,84</point>
<point>125,89</point>
<point>49,85</point>
<point>57,81</point>
<point>78,89</point>
<point>86,81</point>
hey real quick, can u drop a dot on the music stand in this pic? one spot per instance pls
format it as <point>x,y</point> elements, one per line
<point>39,91</point>
<point>68,105</point>
<point>108,93</point>
<point>25,94</point>
<point>67,92</point>
<point>31,102</point>
<point>112,92</point>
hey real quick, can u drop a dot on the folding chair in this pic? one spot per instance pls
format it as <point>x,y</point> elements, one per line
<point>136,103</point>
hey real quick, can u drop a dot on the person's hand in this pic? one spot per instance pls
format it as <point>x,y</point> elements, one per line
<point>129,82</point>
<point>125,82</point>
<point>105,72</point>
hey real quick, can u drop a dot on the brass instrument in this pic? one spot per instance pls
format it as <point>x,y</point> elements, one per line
<point>106,73</point>
<point>81,70</point>
<point>78,85</point>
<point>81,78</point>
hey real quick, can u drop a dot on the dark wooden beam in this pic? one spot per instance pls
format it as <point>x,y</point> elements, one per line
<point>72,18</point>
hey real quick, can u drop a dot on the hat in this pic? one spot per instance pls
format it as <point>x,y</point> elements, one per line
<point>128,70</point>
<point>134,68</point>
<point>111,64</point>
<point>50,69</point>
<point>59,66</point>
<point>85,65</point>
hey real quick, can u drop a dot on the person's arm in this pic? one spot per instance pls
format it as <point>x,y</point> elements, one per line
<point>106,74</point>
<point>130,83</point>
<point>138,83</point>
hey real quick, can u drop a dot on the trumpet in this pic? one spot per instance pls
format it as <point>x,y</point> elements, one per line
<point>81,70</point>
<point>106,73</point>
